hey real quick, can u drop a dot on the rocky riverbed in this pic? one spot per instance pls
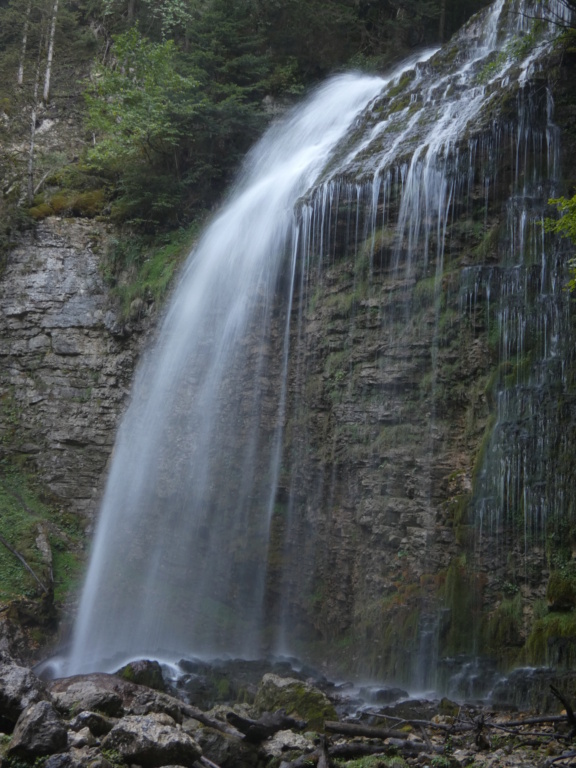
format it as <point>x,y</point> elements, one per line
<point>243,714</point>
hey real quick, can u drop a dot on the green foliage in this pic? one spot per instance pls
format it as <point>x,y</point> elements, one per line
<point>565,226</point>
<point>555,628</point>
<point>139,110</point>
<point>149,262</point>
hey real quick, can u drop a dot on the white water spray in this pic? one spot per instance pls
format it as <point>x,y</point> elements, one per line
<point>188,481</point>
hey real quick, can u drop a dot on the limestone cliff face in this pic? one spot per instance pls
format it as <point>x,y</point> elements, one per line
<point>426,497</point>
<point>66,363</point>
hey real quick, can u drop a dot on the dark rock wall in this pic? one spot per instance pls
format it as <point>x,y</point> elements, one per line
<point>428,477</point>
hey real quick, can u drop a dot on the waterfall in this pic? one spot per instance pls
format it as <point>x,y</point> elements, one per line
<point>183,529</point>
<point>233,520</point>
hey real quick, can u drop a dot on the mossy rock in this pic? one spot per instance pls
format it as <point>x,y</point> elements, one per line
<point>297,698</point>
<point>143,672</point>
<point>561,591</point>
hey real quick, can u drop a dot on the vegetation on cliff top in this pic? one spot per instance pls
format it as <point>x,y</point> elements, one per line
<point>175,92</point>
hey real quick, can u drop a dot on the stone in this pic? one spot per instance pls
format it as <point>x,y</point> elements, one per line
<point>98,724</point>
<point>299,699</point>
<point>62,760</point>
<point>222,749</point>
<point>87,692</point>
<point>143,672</point>
<point>19,688</point>
<point>284,741</point>
<point>39,731</point>
<point>82,738</point>
<point>148,741</point>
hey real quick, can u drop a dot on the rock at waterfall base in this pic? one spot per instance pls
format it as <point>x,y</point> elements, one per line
<point>39,731</point>
<point>152,741</point>
<point>297,698</point>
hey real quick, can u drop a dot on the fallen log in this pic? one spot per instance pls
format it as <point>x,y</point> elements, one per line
<point>358,749</point>
<point>451,727</point>
<point>256,731</point>
<point>196,714</point>
<point>358,729</point>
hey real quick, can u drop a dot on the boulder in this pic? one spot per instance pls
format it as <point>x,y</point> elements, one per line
<point>287,741</point>
<point>143,672</point>
<point>112,696</point>
<point>88,692</point>
<point>62,760</point>
<point>82,738</point>
<point>19,688</point>
<point>39,731</point>
<point>151,741</point>
<point>99,725</point>
<point>297,698</point>
<point>222,749</point>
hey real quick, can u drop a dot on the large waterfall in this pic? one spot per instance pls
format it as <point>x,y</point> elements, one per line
<point>287,467</point>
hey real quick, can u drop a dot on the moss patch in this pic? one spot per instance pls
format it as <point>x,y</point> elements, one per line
<point>40,557</point>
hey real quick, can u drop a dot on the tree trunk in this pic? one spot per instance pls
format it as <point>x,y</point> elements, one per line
<point>46,94</point>
<point>20,78</point>
<point>442,24</point>
<point>33,114</point>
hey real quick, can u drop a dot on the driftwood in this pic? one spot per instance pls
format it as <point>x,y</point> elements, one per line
<point>256,731</point>
<point>208,763</point>
<point>457,725</point>
<point>196,714</point>
<point>358,729</point>
<point>323,758</point>
<point>358,749</point>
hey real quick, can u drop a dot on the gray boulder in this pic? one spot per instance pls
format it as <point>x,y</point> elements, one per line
<point>39,731</point>
<point>151,741</point>
<point>19,688</point>
<point>88,692</point>
<point>99,725</point>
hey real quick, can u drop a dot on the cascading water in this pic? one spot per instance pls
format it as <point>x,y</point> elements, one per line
<point>183,531</point>
<point>290,468</point>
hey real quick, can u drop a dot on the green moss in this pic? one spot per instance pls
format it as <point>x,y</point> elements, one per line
<point>298,699</point>
<point>483,448</point>
<point>150,264</point>
<point>24,518</point>
<point>503,630</point>
<point>374,761</point>
<point>425,291</point>
<point>402,83</point>
<point>462,592</point>
<point>555,631</point>
<point>561,589</point>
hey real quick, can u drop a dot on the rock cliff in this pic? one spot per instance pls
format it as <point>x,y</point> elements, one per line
<point>67,361</point>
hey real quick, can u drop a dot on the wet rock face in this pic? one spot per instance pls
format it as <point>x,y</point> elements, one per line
<point>66,361</point>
